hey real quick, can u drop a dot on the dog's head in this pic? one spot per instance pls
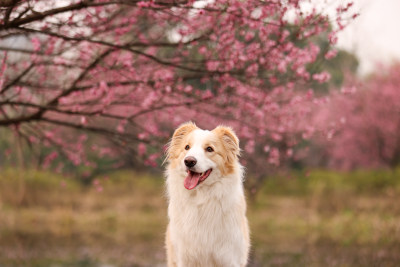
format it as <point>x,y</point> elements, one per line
<point>203,154</point>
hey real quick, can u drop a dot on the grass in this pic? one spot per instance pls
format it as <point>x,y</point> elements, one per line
<point>321,219</point>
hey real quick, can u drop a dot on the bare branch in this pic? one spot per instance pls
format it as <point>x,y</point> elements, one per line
<point>16,79</point>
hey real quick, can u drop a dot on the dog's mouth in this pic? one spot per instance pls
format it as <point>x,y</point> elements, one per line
<point>193,179</point>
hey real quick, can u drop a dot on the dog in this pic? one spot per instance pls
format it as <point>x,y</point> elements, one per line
<point>207,207</point>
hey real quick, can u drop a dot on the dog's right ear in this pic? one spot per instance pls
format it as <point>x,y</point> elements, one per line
<point>175,145</point>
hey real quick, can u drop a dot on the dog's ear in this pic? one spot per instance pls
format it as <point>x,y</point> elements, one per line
<point>175,145</point>
<point>230,141</point>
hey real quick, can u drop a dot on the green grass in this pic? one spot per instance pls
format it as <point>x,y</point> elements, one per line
<point>324,218</point>
<point>326,182</point>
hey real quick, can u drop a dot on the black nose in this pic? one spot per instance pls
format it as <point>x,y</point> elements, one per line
<point>190,161</point>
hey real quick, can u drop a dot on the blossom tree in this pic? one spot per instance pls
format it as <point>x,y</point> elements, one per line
<point>131,71</point>
<point>364,127</point>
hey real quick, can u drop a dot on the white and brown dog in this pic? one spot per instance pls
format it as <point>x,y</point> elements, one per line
<point>207,208</point>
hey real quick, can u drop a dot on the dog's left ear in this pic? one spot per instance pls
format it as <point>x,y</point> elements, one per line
<point>230,141</point>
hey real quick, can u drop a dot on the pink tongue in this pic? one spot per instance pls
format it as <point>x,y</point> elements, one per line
<point>191,180</point>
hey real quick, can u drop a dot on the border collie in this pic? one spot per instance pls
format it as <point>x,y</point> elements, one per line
<point>207,208</point>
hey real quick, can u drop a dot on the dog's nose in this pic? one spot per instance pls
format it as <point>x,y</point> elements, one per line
<point>190,161</point>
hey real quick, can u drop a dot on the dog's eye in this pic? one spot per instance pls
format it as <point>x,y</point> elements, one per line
<point>187,147</point>
<point>210,149</point>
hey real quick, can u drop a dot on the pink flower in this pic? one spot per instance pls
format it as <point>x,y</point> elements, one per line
<point>331,54</point>
<point>142,149</point>
<point>49,159</point>
<point>321,77</point>
<point>203,50</point>
<point>249,72</point>
<point>142,136</point>
<point>274,157</point>
<point>83,120</point>
<point>121,126</point>
<point>276,137</point>
<point>348,90</point>
<point>212,65</point>
<point>332,38</point>
<point>36,43</point>
<point>207,94</point>
<point>143,4</point>
<point>249,148</point>
<point>249,35</point>
<point>188,89</point>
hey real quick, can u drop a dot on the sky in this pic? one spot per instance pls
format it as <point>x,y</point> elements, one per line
<point>374,37</point>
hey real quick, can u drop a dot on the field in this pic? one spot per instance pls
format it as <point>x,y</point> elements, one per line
<point>320,219</point>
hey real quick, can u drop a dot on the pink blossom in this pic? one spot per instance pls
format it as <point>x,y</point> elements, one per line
<point>36,43</point>
<point>121,126</point>
<point>333,38</point>
<point>142,136</point>
<point>203,50</point>
<point>49,159</point>
<point>207,94</point>
<point>331,54</point>
<point>276,137</point>
<point>143,4</point>
<point>156,65</point>
<point>212,65</point>
<point>83,120</point>
<point>363,122</point>
<point>142,149</point>
<point>321,77</point>
<point>249,148</point>
<point>188,89</point>
<point>249,35</point>
<point>348,90</point>
<point>274,157</point>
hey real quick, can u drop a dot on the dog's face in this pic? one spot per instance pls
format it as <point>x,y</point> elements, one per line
<point>203,154</point>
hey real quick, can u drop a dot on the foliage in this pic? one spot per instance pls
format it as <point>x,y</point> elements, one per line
<point>131,71</point>
<point>365,126</point>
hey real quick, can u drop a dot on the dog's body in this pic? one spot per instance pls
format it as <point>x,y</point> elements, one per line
<point>207,208</point>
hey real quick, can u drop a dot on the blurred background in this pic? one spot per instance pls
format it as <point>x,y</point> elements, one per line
<point>91,92</point>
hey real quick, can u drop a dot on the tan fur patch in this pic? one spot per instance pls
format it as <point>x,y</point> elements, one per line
<point>230,144</point>
<point>176,145</point>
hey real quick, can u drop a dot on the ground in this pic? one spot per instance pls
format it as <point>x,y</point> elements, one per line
<point>321,219</point>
